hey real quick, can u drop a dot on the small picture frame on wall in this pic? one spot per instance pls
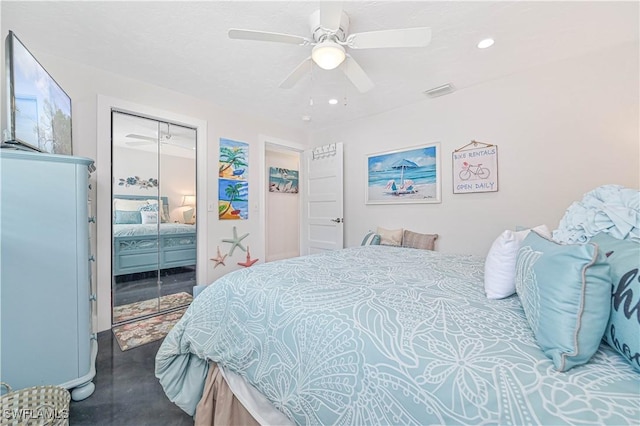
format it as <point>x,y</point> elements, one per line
<point>410,175</point>
<point>475,168</point>
<point>283,180</point>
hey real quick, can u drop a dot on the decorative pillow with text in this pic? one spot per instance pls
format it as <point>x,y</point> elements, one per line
<point>623,329</point>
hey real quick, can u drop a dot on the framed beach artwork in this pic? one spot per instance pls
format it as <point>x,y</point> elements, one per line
<point>409,175</point>
<point>233,183</point>
<point>283,180</point>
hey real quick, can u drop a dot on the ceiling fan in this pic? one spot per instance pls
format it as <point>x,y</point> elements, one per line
<point>165,139</point>
<point>330,38</point>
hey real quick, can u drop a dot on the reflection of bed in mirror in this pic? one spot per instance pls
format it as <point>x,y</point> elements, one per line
<point>140,247</point>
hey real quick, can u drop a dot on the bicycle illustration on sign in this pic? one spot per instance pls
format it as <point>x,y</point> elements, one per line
<point>476,170</point>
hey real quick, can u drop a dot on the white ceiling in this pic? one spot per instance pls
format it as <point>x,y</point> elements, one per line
<point>184,46</point>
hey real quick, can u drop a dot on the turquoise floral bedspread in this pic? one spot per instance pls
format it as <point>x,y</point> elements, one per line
<point>383,335</point>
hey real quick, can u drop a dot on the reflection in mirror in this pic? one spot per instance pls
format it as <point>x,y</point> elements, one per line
<point>154,247</point>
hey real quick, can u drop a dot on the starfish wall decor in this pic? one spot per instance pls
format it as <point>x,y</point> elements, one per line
<point>219,259</point>
<point>235,241</point>
<point>249,261</point>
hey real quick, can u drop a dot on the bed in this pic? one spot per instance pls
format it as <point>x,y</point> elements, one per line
<point>141,247</point>
<point>382,335</point>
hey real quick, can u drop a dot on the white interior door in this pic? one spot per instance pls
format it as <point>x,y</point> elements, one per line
<point>322,218</point>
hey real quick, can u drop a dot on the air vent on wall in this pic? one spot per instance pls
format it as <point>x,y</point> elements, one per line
<point>445,89</point>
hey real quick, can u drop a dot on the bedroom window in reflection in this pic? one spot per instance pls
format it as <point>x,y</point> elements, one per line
<point>154,246</point>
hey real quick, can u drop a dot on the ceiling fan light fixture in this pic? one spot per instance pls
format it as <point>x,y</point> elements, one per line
<point>328,55</point>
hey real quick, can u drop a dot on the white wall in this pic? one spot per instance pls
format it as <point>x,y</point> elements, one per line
<point>178,176</point>
<point>283,211</point>
<point>86,84</point>
<point>562,129</point>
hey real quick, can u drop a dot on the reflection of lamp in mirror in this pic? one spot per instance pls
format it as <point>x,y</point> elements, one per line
<point>189,214</point>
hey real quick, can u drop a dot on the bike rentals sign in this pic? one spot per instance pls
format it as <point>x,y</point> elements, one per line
<point>475,168</point>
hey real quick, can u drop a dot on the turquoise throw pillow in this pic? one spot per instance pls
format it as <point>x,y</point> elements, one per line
<point>565,292</point>
<point>125,217</point>
<point>623,330</point>
<point>371,239</point>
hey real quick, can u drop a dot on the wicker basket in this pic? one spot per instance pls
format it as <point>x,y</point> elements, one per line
<point>38,405</point>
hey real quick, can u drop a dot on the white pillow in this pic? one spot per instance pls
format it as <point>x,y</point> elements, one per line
<point>165,210</point>
<point>500,264</point>
<point>390,237</point>
<point>128,205</point>
<point>149,217</point>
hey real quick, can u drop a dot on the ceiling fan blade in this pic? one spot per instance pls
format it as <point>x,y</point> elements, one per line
<point>330,15</point>
<point>356,74</point>
<point>300,71</point>
<point>143,137</point>
<point>137,143</point>
<point>267,36</point>
<point>407,37</point>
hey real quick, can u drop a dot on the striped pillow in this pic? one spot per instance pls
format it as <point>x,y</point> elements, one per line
<point>371,239</point>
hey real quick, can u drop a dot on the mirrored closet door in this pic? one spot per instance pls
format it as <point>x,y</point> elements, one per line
<point>153,214</point>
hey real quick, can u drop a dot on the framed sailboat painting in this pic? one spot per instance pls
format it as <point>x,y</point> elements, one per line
<point>410,175</point>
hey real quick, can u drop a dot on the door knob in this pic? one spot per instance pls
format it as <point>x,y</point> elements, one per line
<point>337,220</point>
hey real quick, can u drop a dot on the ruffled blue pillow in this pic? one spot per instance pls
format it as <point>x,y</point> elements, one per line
<point>565,292</point>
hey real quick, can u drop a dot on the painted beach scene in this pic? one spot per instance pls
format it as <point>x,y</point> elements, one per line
<point>233,185</point>
<point>283,180</point>
<point>404,176</point>
<point>233,199</point>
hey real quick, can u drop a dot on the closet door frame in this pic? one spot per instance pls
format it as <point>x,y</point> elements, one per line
<point>104,181</point>
<point>123,124</point>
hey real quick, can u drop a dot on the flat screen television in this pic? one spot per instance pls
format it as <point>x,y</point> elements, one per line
<point>39,111</point>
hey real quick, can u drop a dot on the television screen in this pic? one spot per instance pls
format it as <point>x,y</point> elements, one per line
<point>40,111</point>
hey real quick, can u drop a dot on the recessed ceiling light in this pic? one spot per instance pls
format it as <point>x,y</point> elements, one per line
<point>487,42</point>
<point>333,101</point>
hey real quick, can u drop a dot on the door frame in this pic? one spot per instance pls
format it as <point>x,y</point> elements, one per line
<point>265,142</point>
<point>103,193</point>
<point>317,171</point>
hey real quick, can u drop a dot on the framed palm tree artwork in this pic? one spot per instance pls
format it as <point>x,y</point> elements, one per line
<point>233,183</point>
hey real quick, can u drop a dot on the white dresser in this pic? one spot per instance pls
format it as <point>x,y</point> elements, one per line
<point>46,331</point>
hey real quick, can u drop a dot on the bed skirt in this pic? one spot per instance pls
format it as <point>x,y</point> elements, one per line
<point>218,405</point>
